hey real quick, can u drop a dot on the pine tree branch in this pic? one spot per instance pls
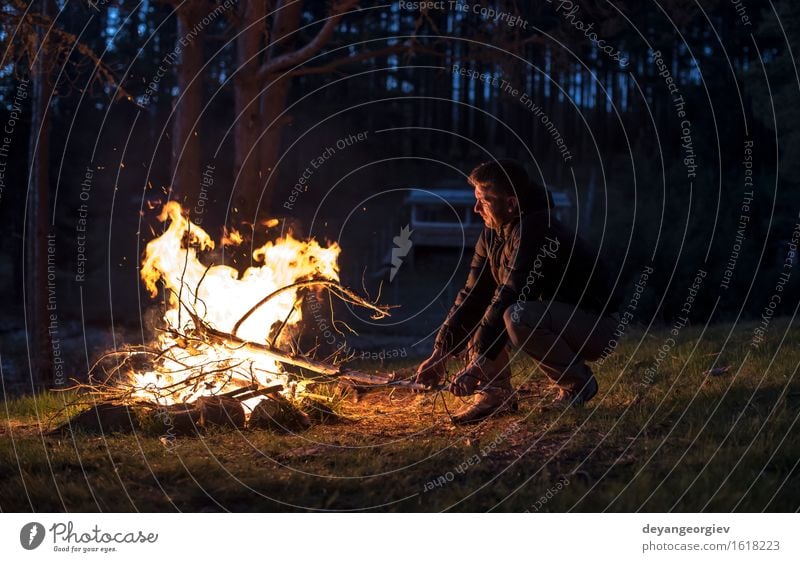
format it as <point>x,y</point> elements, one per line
<point>333,65</point>
<point>58,43</point>
<point>275,65</point>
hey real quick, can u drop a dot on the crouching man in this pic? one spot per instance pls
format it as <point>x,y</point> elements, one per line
<point>532,284</point>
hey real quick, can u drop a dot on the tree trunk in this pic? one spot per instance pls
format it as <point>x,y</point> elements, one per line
<point>246,129</point>
<point>273,102</point>
<point>40,268</point>
<point>187,151</point>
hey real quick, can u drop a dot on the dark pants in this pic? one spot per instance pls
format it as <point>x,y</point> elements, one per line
<point>560,337</point>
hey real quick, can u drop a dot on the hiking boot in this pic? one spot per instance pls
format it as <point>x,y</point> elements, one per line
<point>488,401</point>
<point>577,398</point>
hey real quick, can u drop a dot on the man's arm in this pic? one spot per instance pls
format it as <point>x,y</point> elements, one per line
<point>470,302</point>
<point>491,336</point>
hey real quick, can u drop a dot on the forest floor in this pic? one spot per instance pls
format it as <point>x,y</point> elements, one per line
<point>681,440</point>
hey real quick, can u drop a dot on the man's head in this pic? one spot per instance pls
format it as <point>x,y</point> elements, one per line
<point>503,191</point>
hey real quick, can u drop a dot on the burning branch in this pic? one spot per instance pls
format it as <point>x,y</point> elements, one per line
<point>333,287</point>
<point>235,372</point>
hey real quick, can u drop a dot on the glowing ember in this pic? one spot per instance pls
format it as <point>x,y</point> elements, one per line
<point>191,367</point>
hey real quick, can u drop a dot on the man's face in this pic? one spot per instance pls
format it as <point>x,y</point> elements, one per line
<point>494,207</point>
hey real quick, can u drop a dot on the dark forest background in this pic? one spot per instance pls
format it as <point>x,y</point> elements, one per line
<point>258,92</point>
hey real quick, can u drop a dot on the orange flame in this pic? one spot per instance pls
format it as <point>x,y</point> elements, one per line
<point>231,237</point>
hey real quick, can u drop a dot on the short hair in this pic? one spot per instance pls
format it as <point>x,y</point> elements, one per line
<point>511,178</point>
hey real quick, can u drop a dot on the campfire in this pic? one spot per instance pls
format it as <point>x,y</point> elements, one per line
<point>226,350</point>
<point>222,329</point>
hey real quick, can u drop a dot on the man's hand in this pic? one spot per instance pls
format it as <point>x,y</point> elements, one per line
<point>432,371</point>
<point>467,380</point>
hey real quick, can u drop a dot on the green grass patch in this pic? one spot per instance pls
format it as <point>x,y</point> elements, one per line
<point>677,440</point>
<point>55,405</point>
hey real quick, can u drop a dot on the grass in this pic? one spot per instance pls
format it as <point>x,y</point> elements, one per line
<point>682,441</point>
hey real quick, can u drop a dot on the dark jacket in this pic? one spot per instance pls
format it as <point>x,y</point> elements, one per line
<point>529,260</point>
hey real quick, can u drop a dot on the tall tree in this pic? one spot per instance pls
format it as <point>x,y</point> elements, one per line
<point>35,232</point>
<point>39,47</point>
<point>187,150</point>
<point>268,53</point>
<point>266,50</point>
